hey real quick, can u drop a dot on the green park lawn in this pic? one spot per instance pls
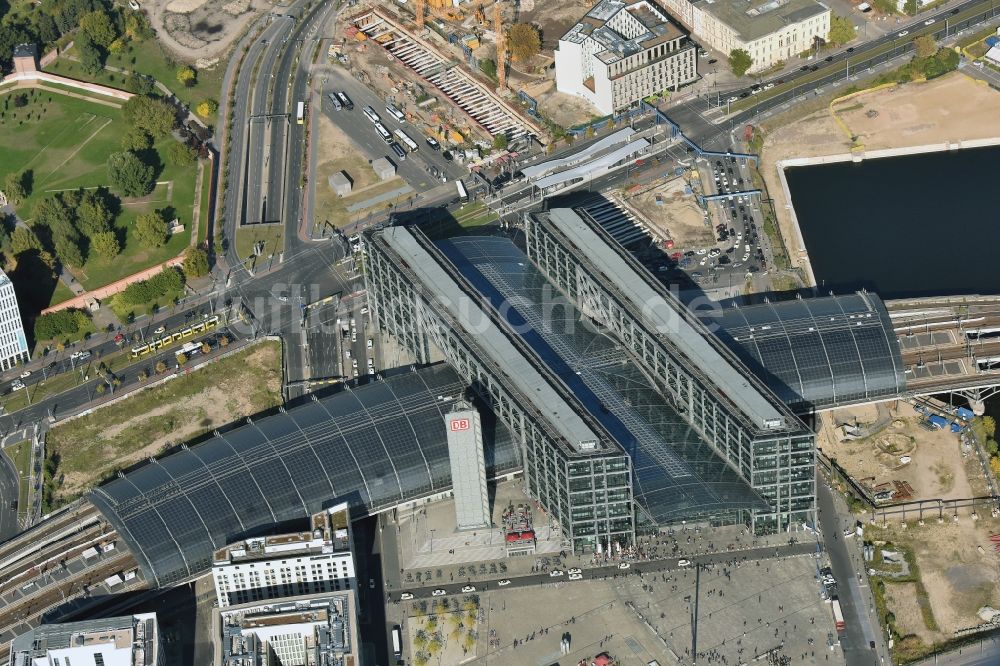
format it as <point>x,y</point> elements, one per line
<point>65,143</point>
<point>148,58</point>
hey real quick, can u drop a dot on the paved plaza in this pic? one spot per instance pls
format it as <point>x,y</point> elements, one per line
<point>745,612</point>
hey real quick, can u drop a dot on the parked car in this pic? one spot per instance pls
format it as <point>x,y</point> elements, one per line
<point>25,374</point>
<point>468,588</point>
<point>503,583</point>
<point>405,596</point>
<point>624,565</point>
<point>438,593</point>
<point>555,573</point>
<point>576,576</point>
<point>683,563</point>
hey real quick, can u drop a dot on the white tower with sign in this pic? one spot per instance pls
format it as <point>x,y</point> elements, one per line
<point>468,467</point>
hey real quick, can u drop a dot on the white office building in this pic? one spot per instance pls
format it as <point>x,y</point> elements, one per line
<point>13,343</point>
<point>132,640</point>
<point>622,51</point>
<point>771,31</point>
<point>288,565</point>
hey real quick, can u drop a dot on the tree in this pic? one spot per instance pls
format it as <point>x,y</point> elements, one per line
<point>137,27</point>
<point>101,388</point>
<point>151,229</point>
<point>98,26</point>
<point>925,46</point>
<point>995,467</point>
<point>186,76</point>
<point>500,142</point>
<point>92,215</point>
<point>207,108</point>
<point>224,341</point>
<point>68,250</point>
<point>142,375</point>
<point>161,367</point>
<point>489,68</point>
<point>155,116</point>
<point>129,175</point>
<point>180,154</point>
<point>23,240</point>
<point>181,359</point>
<point>13,187</point>
<point>105,244</point>
<point>195,262</point>
<point>739,61</point>
<point>138,83</point>
<point>842,30</point>
<point>205,348</point>
<point>989,425</point>
<point>991,447</point>
<point>136,139</point>
<point>90,56</point>
<point>525,42</point>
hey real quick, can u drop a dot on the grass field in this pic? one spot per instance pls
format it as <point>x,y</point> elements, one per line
<point>465,220</point>
<point>203,206</point>
<point>147,58</point>
<point>273,236</point>
<point>20,455</point>
<point>65,143</point>
<point>90,449</point>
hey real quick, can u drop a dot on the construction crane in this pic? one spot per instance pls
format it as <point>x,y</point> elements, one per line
<point>419,7</point>
<point>501,37</point>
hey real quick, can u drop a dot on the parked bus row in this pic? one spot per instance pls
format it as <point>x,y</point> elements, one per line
<point>166,340</point>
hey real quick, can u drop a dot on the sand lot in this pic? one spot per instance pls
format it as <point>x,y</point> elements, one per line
<point>199,30</point>
<point>677,216</point>
<point>949,109</point>
<point>937,467</point>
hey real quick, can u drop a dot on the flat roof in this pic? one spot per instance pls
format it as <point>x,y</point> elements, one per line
<point>520,371</point>
<point>602,162</point>
<point>665,315</point>
<point>582,155</point>
<point>756,19</point>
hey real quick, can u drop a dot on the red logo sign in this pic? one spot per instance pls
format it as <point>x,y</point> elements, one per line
<point>459,424</point>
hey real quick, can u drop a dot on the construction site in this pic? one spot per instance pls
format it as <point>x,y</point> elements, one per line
<point>451,69</point>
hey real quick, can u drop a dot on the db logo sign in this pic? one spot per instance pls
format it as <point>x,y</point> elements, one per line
<point>459,424</point>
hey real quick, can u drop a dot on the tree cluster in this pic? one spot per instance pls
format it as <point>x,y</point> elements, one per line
<point>17,185</point>
<point>62,323</point>
<point>929,61</point>
<point>525,41</point>
<point>168,281</point>
<point>75,222</point>
<point>151,229</point>
<point>195,262</point>
<point>129,175</point>
<point>842,30</point>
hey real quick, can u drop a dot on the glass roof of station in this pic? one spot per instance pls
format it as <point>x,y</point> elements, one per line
<point>375,446</point>
<point>816,353</point>
<point>676,474</point>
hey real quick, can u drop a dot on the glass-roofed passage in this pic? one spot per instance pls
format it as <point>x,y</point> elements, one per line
<point>816,353</point>
<point>376,446</point>
<point>676,475</point>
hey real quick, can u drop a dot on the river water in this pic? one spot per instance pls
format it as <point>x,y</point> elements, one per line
<point>918,225</point>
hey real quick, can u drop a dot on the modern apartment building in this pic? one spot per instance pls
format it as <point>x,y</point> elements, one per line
<point>287,565</point>
<point>132,640</point>
<point>622,51</point>
<point>770,31</point>
<point>13,344</point>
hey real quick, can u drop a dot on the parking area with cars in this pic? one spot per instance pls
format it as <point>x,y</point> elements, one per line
<point>737,223</point>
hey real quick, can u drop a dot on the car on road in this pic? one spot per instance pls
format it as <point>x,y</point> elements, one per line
<point>159,330</point>
<point>25,374</point>
<point>347,352</point>
<point>371,583</point>
<point>712,61</point>
<point>17,385</point>
<point>405,596</point>
<point>624,565</point>
<point>574,571</point>
<point>814,68</point>
<point>828,59</point>
<point>438,593</point>
<point>850,49</point>
<point>80,355</point>
<point>768,86</point>
<point>555,573</point>
<point>702,251</point>
<point>433,143</point>
<point>904,33</point>
<point>683,563</point>
<point>715,252</point>
<point>447,155</point>
<point>468,588</point>
<point>503,583</point>
<point>576,576</point>
<point>928,21</point>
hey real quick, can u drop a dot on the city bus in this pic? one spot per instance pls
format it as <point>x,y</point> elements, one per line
<point>397,642</point>
<point>383,132</point>
<point>463,194</point>
<point>300,113</point>
<point>395,113</point>
<point>372,116</point>
<point>345,100</point>
<point>406,140</point>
